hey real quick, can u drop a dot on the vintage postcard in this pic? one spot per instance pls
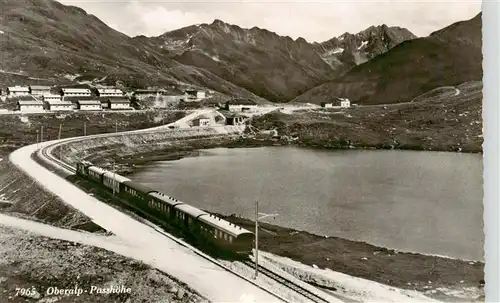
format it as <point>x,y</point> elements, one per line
<point>242,151</point>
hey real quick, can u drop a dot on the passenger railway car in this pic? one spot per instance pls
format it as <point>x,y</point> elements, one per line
<point>95,173</point>
<point>113,181</point>
<point>163,204</point>
<point>137,193</point>
<point>187,217</point>
<point>226,235</point>
<point>204,227</point>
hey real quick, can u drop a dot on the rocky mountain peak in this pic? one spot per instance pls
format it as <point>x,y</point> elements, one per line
<point>349,50</point>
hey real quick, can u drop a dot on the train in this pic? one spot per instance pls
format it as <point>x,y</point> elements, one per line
<point>208,229</point>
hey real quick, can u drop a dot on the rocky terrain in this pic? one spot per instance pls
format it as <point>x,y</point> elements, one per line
<point>444,119</point>
<point>101,151</point>
<point>23,197</point>
<point>447,57</point>
<point>36,263</point>
<point>271,66</point>
<point>349,50</point>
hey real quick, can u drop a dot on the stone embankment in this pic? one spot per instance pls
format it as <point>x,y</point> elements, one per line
<point>107,149</point>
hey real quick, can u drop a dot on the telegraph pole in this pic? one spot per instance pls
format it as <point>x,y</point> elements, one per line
<point>85,128</point>
<point>116,126</point>
<point>257,235</point>
<point>60,130</point>
<point>41,134</point>
<point>114,174</point>
<point>37,139</point>
<point>256,238</point>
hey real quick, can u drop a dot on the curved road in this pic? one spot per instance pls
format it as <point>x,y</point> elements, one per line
<point>141,241</point>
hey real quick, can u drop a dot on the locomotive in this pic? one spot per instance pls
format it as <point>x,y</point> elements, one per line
<point>204,227</point>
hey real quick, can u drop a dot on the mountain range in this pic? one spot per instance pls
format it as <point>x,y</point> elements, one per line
<point>44,39</point>
<point>447,57</point>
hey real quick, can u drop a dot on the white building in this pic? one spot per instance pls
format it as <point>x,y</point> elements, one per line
<point>202,121</point>
<point>326,105</point>
<point>89,105</point>
<point>18,91</point>
<point>109,92</point>
<point>142,94</point>
<point>76,92</point>
<point>40,90</point>
<point>239,107</point>
<point>30,105</point>
<point>51,97</point>
<point>118,103</point>
<point>59,105</point>
<point>343,102</point>
<point>194,95</point>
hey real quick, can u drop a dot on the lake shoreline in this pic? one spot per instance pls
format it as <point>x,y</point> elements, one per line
<point>442,271</point>
<point>132,163</point>
<point>407,270</point>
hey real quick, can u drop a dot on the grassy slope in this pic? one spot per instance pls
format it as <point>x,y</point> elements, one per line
<point>438,122</point>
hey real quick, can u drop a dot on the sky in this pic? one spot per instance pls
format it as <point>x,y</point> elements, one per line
<point>317,20</point>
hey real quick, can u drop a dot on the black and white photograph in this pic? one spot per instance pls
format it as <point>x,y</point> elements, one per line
<point>243,151</point>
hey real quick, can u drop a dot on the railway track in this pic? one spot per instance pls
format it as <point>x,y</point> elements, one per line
<point>290,284</point>
<point>45,152</point>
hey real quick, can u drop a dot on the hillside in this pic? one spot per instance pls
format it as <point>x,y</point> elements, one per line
<point>444,119</point>
<point>274,67</point>
<point>45,39</point>
<point>445,58</point>
<point>349,50</point>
